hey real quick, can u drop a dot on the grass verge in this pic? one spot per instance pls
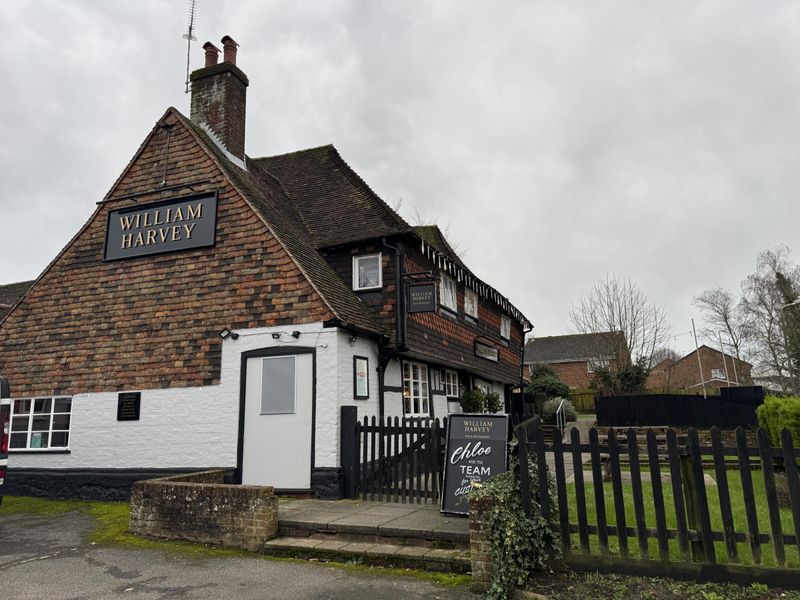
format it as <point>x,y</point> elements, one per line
<point>112,530</point>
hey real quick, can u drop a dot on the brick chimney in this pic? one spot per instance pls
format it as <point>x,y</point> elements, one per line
<point>219,96</point>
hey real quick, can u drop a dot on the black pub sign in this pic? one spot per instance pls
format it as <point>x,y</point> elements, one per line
<point>128,406</point>
<point>422,297</point>
<point>475,451</point>
<point>169,226</point>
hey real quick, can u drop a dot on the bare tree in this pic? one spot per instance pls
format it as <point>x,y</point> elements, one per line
<point>722,313</point>
<point>761,305</point>
<point>615,304</point>
<point>662,354</point>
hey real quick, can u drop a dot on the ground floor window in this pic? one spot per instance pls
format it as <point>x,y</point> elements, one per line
<point>40,423</point>
<point>450,383</point>
<point>415,389</point>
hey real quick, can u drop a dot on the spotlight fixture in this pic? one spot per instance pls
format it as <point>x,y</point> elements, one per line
<point>295,334</point>
<point>352,339</point>
<point>276,336</point>
<point>227,333</point>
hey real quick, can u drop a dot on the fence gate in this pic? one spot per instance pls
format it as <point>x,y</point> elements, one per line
<point>393,459</point>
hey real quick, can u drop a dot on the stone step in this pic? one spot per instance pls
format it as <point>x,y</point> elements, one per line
<point>404,537</point>
<point>370,553</point>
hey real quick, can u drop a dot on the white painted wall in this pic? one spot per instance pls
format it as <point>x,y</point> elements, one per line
<point>197,427</point>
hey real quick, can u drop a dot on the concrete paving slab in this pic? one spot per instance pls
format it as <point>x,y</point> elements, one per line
<point>359,523</point>
<point>317,518</point>
<point>383,550</point>
<point>357,547</point>
<point>330,545</point>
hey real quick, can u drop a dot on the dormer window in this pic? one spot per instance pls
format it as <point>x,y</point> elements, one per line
<point>367,272</point>
<point>505,327</point>
<point>447,293</point>
<point>470,304</point>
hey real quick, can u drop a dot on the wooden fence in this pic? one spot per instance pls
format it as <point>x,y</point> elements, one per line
<point>392,459</point>
<point>675,410</point>
<point>680,466</point>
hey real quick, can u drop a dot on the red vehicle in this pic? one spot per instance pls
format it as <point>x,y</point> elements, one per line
<point>5,417</point>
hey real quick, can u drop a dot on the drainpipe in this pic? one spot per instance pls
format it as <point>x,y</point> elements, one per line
<point>385,353</point>
<point>525,332</point>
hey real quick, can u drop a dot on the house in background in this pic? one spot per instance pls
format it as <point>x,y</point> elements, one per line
<point>719,370</point>
<point>575,358</point>
<point>10,295</point>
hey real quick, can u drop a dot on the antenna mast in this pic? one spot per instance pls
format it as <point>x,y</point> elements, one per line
<point>189,36</point>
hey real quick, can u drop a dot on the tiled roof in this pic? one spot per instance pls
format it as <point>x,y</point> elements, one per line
<point>10,294</point>
<point>268,198</point>
<point>577,347</point>
<point>317,180</point>
<point>434,236</point>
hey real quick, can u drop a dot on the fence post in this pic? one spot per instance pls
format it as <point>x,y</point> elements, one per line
<point>348,449</point>
<point>524,473</point>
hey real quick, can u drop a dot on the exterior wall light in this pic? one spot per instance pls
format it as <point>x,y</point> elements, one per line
<point>276,336</point>
<point>295,334</point>
<point>227,333</point>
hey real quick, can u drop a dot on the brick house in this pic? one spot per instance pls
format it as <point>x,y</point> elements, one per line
<point>574,358</point>
<point>218,310</point>
<point>719,370</point>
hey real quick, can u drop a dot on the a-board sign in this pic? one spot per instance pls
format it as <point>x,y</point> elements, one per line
<point>159,227</point>
<point>128,405</point>
<point>422,297</point>
<point>474,452</point>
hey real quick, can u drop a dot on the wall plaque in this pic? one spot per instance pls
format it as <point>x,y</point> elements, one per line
<point>486,351</point>
<point>475,451</point>
<point>421,297</point>
<point>160,227</point>
<point>128,404</point>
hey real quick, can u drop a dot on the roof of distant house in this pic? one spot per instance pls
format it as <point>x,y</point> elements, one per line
<point>10,294</point>
<point>575,347</point>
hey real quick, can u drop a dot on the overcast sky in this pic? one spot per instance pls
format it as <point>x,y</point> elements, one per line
<point>559,141</point>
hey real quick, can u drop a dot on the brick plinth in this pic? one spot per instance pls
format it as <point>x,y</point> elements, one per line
<point>199,508</point>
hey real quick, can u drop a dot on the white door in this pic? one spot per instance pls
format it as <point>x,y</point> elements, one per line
<point>278,410</point>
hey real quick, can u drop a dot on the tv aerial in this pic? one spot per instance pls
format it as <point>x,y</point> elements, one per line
<point>189,36</point>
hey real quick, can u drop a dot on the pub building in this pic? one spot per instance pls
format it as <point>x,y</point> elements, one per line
<point>218,310</point>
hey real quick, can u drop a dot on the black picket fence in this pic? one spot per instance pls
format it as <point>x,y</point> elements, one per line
<point>392,459</point>
<point>674,410</point>
<point>691,543</point>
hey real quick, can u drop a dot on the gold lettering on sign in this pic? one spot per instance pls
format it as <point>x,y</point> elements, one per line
<point>196,213</point>
<point>126,240</point>
<point>188,229</point>
<point>158,226</point>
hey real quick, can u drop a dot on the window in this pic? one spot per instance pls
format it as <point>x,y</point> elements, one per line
<point>360,378</point>
<point>447,293</point>
<point>593,364</point>
<point>450,383</point>
<point>505,327</point>
<point>367,272</point>
<point>718,373</point>
<point>470,303</point>
<point>415,389</point>
<point>40,423</point>
<point>278,385</point>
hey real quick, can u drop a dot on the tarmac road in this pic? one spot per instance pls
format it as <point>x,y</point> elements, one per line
<point>46,558</point>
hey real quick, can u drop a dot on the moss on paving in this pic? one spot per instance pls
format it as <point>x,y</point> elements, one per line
<point>112,530</point>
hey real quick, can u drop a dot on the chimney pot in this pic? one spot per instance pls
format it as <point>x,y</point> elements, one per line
<point>212,54</point>
<point>229,50</point>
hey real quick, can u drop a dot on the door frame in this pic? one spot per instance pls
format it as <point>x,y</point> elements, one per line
<point>275,351</point>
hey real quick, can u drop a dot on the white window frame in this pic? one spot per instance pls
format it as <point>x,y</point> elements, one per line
<point>448,293</point>
<point>416,390</point>
<point>718,374</point>
<point>450,383</point>
<point>505,327</point>
<point>469,294</point>
<point>31,414</point>
<point>359,258</point>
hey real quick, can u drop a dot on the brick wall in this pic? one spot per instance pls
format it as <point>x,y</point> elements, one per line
<point>153,322</point>
<point>197,507</point>
<point>685,373</point>
<point>479,546</point>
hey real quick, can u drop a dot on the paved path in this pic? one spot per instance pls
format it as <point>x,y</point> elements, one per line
<point>378,518</point>
<point>46,557</point>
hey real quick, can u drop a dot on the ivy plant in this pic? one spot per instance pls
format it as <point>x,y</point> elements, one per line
<point>520,544</point>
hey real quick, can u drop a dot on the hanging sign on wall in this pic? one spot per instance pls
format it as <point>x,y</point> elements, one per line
<point>160,227</point>
<point>421,297</point>
<point>475,451</point>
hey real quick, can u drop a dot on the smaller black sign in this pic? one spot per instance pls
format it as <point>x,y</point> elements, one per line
<point>128,406</point>
<point>487,352</point>
<point>475,451</point>
<point>421,297</point>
